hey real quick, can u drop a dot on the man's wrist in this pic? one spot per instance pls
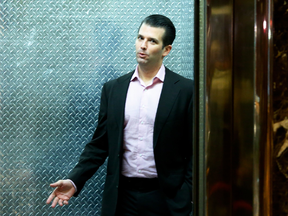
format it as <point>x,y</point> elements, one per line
<point>73,184</point>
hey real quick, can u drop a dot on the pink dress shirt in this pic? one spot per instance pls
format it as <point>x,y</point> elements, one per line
<point>140,111</point>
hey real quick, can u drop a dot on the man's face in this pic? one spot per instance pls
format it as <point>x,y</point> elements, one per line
<point>149,46</point>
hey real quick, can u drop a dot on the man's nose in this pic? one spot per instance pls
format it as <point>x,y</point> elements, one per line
<point>144,44</point>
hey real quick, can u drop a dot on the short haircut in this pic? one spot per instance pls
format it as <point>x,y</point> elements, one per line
<point>160,21</point>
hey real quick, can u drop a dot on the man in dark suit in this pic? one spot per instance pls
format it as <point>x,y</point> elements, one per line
<point>145,130</point>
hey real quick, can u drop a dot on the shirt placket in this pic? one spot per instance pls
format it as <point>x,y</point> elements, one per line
<point>142,128</point>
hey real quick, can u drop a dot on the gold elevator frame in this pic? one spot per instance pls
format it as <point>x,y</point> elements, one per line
<point>233,111</point>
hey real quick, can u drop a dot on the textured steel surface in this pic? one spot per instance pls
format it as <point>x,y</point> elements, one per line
<point>55,56</point>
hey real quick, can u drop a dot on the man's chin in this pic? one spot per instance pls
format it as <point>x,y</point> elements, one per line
<point>142,61</point>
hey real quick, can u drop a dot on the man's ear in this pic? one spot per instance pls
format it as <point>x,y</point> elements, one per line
<point>166,50</point>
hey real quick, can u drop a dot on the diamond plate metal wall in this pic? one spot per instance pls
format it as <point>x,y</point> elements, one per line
<point>55,56</point>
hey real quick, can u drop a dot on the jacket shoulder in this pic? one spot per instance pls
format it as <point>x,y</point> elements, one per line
<point>177,77</point>
<point>120,79</point>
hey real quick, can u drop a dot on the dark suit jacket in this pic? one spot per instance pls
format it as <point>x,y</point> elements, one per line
<point>172,142</point>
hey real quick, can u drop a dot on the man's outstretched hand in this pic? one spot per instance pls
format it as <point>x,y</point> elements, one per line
<point>64,190</point>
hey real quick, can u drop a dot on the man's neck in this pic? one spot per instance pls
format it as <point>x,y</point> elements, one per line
<point>147,74</point>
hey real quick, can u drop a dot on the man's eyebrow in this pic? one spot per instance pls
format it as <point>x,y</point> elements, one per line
<point>156,40</point>
<point>149,38</point>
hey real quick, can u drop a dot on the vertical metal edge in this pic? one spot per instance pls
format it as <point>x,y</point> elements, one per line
<point>196,109</point>
<point>263,142</point>
<point>201,205</point>
<point>256,127</point>
<point>267,202</point>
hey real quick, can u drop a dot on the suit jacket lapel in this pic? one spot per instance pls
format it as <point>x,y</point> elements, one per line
<point>168,95</point>
<point>119,99</point>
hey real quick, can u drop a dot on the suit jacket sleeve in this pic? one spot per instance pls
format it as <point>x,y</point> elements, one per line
<point>95,152</point>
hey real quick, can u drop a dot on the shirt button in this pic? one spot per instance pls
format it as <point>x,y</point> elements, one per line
<point>139,171</point>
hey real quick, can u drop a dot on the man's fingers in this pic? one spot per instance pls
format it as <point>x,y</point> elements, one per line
<point>56,184</point>
<point>55,201</point>
<point>58,195</point>
<point>50,198</point>
<point>60,202</point>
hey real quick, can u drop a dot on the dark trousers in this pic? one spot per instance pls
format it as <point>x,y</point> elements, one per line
<point>140,197</point>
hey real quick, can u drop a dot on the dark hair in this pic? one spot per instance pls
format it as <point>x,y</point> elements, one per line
<point>160,21</point>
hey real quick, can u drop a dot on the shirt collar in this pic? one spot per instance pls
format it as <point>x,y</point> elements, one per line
<point>160,74</point>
